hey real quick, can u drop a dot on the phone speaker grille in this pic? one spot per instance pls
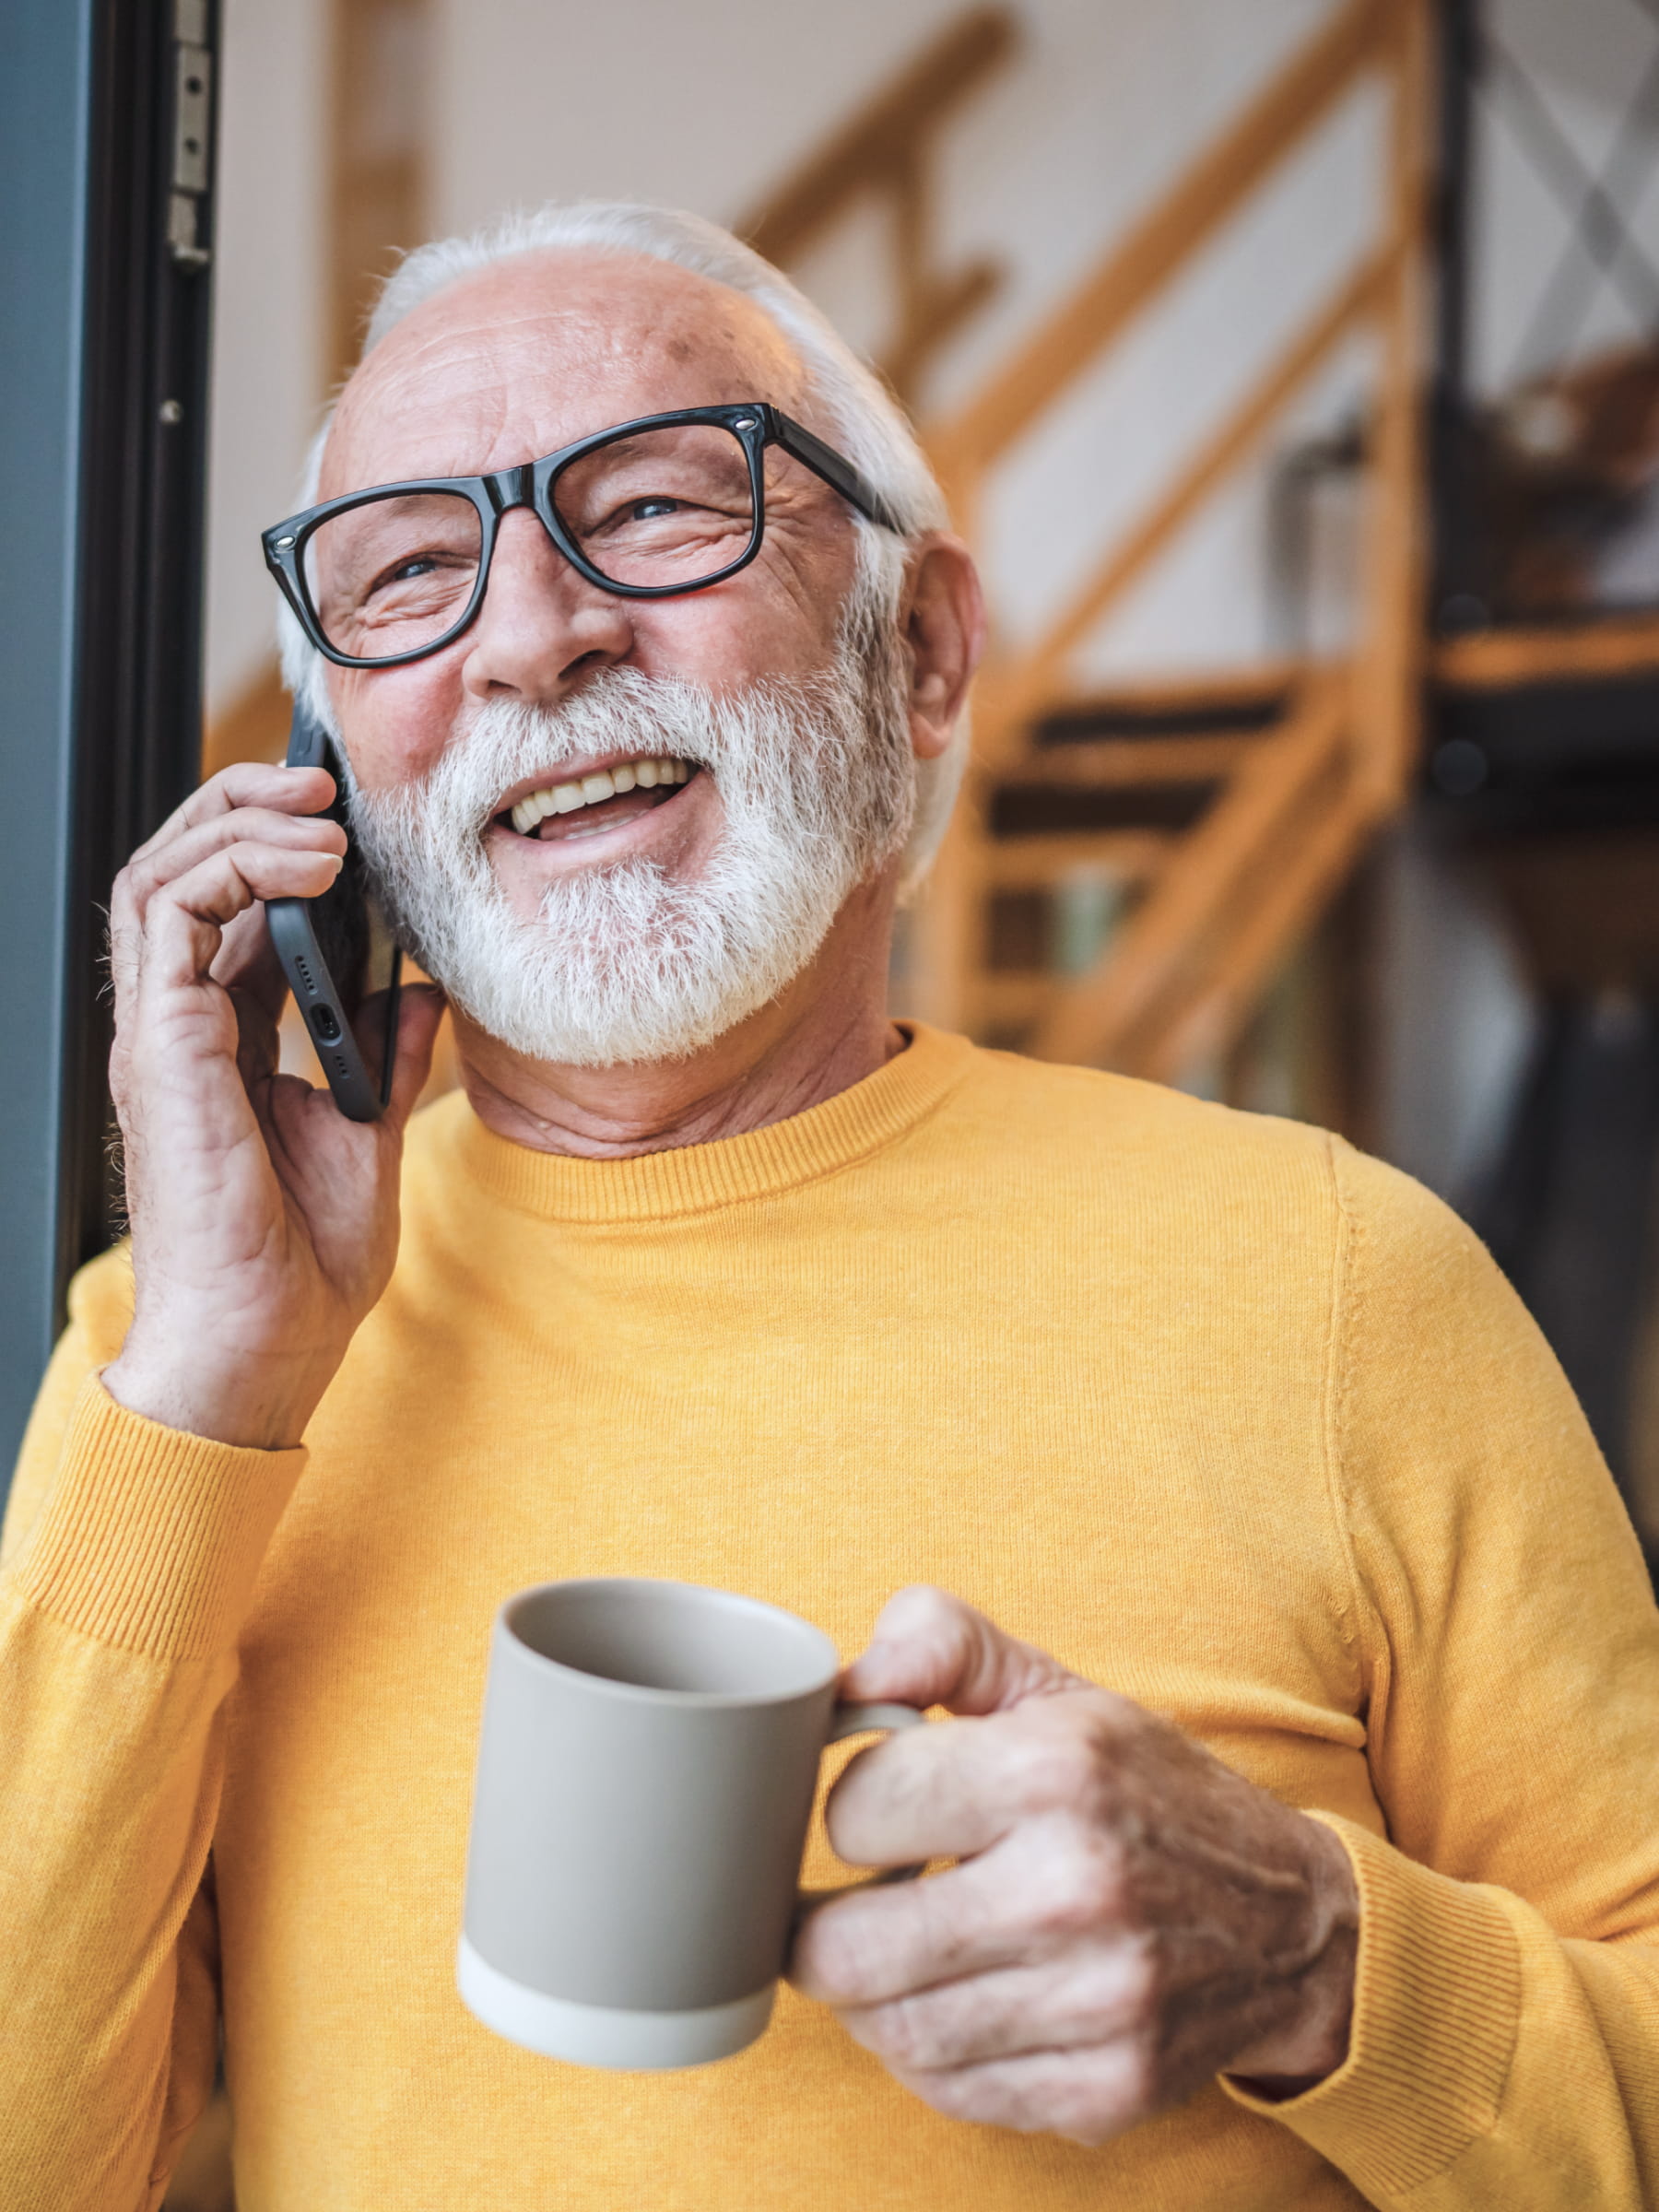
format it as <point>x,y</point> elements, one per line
<point>305,973</point>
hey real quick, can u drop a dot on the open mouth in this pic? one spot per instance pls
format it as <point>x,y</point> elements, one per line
<point>555,813</point>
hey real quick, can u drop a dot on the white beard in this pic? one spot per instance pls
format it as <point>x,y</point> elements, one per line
<point>625,962</point>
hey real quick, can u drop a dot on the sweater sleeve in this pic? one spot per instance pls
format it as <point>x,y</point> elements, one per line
<point>129,1563</point>
<point>1505,2045</point>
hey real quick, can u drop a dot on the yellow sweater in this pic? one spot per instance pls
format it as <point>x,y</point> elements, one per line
<point>1222,1414</point>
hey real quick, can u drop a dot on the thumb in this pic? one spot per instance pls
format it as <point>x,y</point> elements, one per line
<point>931,1649</point>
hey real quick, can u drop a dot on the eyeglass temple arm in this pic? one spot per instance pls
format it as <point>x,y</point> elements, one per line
<point>824,462</point>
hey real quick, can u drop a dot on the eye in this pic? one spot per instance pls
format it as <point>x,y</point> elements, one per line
<point>647,510</point>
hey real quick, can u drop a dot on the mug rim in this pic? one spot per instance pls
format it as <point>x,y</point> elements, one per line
<point>648,1693</point>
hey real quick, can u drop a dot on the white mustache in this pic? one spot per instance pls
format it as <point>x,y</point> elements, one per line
<point>621,711</point>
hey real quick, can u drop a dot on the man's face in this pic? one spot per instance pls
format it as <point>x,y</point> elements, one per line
<point>514,363</point>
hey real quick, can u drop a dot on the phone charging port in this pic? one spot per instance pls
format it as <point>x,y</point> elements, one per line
<point>324,1023</point>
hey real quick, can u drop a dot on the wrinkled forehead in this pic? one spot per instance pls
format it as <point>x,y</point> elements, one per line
<point>523,358</point>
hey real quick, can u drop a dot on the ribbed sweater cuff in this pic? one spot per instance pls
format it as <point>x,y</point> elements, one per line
<point>1437,2005</point>
<point>151,1539</point>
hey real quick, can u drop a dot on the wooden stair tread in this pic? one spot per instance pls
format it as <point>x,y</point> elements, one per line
<point>1186,758</point>
<point>1490,660</point>
<point>1044,810</point>
<point>1033,862</point>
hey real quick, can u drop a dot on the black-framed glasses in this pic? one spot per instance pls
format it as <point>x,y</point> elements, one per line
<point>664,504</point>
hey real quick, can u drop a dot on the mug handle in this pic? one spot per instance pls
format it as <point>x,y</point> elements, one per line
<point>853,1720</point>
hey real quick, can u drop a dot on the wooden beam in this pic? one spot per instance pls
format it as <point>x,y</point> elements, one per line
<point>1497,660</point>
<point>946,922</point>
<point>939,307</point>
<point>1101,1013</point>
<point>1011,998</point>
<point>1188,691</point>
<point>1032,864</point>
<point>254,727</point>
<point>1389,690</point>
<point>881,139</point>
<point>1163,241</point>
<point>1289,901</point>
<point>378,129</point>
<point>1032,684</point>
<point>1120,763</point>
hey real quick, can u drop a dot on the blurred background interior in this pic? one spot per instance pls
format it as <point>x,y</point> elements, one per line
<point>1292,365</point>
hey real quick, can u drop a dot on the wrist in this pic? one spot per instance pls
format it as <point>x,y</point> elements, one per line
<point>1313,2040</point>
<point>262,1406</point>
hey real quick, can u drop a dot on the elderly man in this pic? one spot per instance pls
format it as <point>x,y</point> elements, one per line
<point>1304,1792</point>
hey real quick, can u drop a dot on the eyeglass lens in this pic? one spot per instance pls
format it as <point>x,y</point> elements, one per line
<point>665,507</point>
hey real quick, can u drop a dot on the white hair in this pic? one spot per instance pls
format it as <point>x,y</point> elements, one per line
<point>857,414</point>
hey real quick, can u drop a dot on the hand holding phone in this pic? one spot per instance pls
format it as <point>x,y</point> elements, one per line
<point>265,1221</point>
<point>336,952</point>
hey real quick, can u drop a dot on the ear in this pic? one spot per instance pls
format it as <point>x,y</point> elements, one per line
<point>943,620</point>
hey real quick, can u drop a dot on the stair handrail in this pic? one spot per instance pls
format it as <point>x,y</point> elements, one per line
<point>885,152</point>
<point>1158,247</point>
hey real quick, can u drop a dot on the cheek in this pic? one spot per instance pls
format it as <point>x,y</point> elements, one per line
<point>394,722</point>
<point>733,635</point>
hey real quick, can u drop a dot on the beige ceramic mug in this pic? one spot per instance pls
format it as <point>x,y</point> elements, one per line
<point>646,1773</point>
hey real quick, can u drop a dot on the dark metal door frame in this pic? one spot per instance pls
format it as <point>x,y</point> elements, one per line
<point>107,112</point>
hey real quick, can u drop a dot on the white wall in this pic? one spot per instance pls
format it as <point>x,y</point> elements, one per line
<point>268,312</point>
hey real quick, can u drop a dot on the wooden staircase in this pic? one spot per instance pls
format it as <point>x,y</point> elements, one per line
<point>1192,855</point>
<point>1128,872</point>
<point>1199,829</point>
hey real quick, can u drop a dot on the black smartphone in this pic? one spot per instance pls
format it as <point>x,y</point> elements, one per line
<point>336,952</point>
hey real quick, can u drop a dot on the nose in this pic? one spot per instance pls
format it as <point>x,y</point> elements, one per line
<point>542,628</point>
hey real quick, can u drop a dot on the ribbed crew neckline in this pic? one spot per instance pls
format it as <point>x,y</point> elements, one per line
<point>692,1179</point>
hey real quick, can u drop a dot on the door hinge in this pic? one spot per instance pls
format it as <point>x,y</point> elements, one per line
<point>193,135</point>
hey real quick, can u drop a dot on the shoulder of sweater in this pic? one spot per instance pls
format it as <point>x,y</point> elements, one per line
<point>1405,1244</point>
<point>1128,1113</point>
<point>1410,1255</point>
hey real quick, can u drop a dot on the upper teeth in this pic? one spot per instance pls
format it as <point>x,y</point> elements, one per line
<point>565,799</point>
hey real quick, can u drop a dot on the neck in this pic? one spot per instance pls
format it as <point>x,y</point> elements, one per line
<point>827,1030</point>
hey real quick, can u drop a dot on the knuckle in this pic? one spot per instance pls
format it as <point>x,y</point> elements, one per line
<point>1057,1765</point>
<point>130,889</point>
<point>839,1958</point>
<point>1080,1888</point>
<point>1090,2109</point>
<point>923,1613</point>
<point>903,2036</point>
<point>962,2095</point>
<point>1142,1985</point>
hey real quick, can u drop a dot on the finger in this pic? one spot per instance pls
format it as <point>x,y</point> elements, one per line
<point>245,783</point>
<point>1087,2096</point>
<point>246,962</point>
<point>930,1648</point>
<point>1050,1885</point>
<point>186,919</point>
<point>258,1038</point>
<point>951,1790</point>
<point>247,824</point>
<point>1070,2003</point>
